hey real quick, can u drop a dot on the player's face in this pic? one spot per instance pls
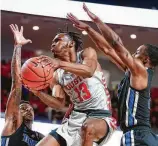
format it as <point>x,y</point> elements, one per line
<point>60,45</point>
<point>140,52</point>
<point>27,111</point>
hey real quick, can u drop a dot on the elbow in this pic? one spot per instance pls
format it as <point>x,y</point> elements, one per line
<point>89,73</point>
<point>60,106</point>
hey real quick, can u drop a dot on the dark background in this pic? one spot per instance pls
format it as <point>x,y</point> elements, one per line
<point>148,4</point>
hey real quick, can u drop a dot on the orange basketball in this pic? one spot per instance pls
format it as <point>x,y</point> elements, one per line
<point>36,75</point>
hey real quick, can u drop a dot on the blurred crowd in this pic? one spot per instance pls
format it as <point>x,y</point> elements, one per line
<point>46,114</point>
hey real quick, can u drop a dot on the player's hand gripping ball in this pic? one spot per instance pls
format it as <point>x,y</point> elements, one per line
<point>37,73</point>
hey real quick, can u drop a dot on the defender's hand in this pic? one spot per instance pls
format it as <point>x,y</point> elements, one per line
<point>18,35</point>
<point>90,14</point>
<point>77,23</point>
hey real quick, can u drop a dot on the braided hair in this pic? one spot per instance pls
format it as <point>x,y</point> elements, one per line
<point>152,52</point>
<point>74,36</point>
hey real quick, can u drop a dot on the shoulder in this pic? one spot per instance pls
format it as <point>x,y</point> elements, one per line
<point>89,52</point>
<point>139,68</point>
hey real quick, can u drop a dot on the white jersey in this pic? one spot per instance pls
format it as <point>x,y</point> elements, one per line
<point>85,93</point>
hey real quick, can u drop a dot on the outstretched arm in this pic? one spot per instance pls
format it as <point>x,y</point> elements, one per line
<point>115,42</point>
<point>57,100</point>
<point>12,110</point>
<point>106,31</point>
<point>99,40</point>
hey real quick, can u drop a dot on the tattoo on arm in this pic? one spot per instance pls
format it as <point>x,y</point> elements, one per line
<point>15,73</point>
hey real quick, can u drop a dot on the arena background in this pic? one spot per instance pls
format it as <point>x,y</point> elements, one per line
<point>49,16</point>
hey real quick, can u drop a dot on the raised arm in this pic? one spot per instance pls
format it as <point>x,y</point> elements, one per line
<point>106,31</point>
<point>12,110</point>
<point>99,40</point>
<point>115,41</point>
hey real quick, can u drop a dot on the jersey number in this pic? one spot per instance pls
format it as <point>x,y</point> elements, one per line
<point>82,88</point>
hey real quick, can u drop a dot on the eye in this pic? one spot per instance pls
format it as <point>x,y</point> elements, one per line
<point>137,52</point>
<point>56,40</point>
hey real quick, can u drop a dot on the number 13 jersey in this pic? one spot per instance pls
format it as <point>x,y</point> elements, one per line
<point>85,93</point>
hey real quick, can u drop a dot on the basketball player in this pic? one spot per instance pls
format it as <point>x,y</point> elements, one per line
<point>80,76</point>
<point>134,90</point>
<point>19,115</point>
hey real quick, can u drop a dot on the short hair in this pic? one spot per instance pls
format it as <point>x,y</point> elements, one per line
<point>152,52</point>
<point>74,36</point>
<point>24,101</point>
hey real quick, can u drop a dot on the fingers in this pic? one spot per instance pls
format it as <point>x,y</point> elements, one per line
<point>42,57</point>
<point>72,19</point>
<point>28,41</point>
<point>73,16</point>
<point>12,28</point>
<point>44,61</point>
<point>85,7</point>
<point>21,29</point>
<point>90,14</point>
<point>17,29</point>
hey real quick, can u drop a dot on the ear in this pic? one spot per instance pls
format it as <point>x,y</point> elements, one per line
<point>71,44</point>
<point>146,59</point>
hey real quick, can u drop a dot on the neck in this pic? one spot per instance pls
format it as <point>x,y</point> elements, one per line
<point>73,57</point>
<point>28,123</point>
<point>148,65</point>
<point>69,57</point>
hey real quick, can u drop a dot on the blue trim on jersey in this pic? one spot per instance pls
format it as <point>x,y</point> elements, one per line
<point>128,139</point>
<point>4,141</point>
<point>131,106</point>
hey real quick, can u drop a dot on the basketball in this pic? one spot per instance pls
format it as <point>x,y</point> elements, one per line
<point>37,74</point>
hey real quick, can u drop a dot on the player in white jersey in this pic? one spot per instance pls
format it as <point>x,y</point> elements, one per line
<point>80,76</point>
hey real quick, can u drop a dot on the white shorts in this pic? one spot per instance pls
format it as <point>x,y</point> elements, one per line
<point>70,130</point>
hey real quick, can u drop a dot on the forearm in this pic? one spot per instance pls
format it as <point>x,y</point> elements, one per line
<point>78,69</point>
<point>16,65</point>
<point>14,99</point>
<point>115,43</point>
<point>121,51</point>
<point>99,40</point>
<point>107,32</point>
<point>15,73</point>
<point>49,100</point>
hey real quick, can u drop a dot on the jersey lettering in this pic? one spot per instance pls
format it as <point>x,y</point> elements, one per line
<point>29,141</point>
<point>73,83</point>
<point>82,92</point>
